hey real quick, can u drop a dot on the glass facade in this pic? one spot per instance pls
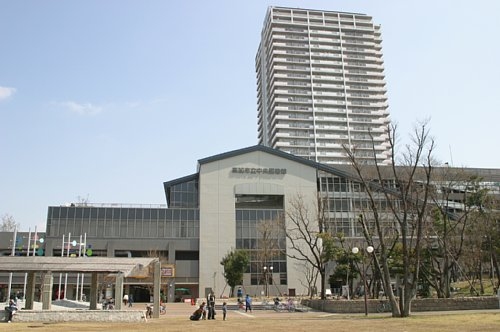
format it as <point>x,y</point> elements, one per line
<point>259,232</point>
<point>345,201</point>
<point>180,220</point>
<point>184,195</point>
<point>122,222</point>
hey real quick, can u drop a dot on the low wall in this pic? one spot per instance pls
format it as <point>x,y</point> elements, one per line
<point>76,316</point>
<point>459,303</point>
<point>417,305</point>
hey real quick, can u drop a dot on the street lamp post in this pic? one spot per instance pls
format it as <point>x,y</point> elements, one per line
<point>266,279</point>
<point>13,253</point>
<point>369,250</point>
<point>35,239</point>
<point>65,244</point>
<point>347,281</point>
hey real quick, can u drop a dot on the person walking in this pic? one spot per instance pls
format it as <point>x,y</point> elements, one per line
<point>248,303</point>
<point>130,300</point>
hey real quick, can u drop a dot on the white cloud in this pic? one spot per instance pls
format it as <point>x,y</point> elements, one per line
<point>82,108</point>
<point>6,92</point>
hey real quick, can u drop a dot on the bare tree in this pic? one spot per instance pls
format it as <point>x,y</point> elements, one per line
<point>82,201</point>
<point>310,277</point>
<point>9,224</point>
<point>161,255</point>
<point>405,191</point>
<point>481,245</point>
<point>268,234</point>
<point>445,239</point>
<point>306,230</point>
<point>490,213</point>
<point>156,253</point>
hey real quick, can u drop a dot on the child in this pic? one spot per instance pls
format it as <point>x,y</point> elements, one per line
<point>224,310</point>
<point>204,311</point>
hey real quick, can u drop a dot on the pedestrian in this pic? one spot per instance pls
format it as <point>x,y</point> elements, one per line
<point>125,300</point>
<point>203,311</point>
<point>248,303</point>
<point>11,310</point>
<point>224,310</point>
<point>198,312</point>
<point>130,300</point>
<point>149,310</point>
<point>239,292</point>
<point>211,305</point>
<point>276,303</point>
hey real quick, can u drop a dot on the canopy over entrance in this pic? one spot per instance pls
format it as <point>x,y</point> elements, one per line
<point>122,267</point>
<point>130,267</point>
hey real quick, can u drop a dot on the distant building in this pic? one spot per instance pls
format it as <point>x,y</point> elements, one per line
<point>321,85</point>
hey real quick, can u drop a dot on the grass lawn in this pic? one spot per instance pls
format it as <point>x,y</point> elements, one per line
<point>462,288</point>
<point>317,321</point>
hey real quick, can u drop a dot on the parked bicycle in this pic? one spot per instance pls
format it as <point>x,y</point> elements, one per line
<point>267,305</point>
<point>284,306</point>
<point>384,306</point>
<point>150,307</point>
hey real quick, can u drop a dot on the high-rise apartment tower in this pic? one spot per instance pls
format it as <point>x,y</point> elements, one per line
<point>320,85</point>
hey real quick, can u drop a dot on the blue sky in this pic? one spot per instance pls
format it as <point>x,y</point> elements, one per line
<point>106,100</point>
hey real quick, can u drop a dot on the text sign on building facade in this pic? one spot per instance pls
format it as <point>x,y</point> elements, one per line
<point>168,271</point>
<point>258,170</point>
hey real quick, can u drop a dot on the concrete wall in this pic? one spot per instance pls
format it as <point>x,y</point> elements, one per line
<point>76,316</point>
<point>418,305</point>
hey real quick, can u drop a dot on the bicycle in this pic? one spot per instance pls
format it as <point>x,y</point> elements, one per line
<point>149,310</point>
<point>290,306</point>
<point>384,306</point>
<point>280,307</point>
<point>267,305</point>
